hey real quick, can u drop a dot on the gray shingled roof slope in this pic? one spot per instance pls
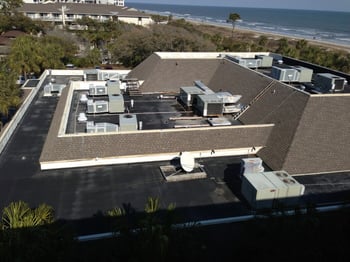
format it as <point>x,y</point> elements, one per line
<point>88,9</point>
<point>145,143</point>
<point>238,80</point>
<point>322,140</point>
<point>168,75</point>
<point>145,68</point>
<point>283,106</point>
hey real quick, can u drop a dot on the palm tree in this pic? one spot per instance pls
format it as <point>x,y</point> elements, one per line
<point>20,215</point>
<point>232,18</point>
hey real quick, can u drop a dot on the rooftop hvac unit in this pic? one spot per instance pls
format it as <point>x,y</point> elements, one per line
<point>188,93</point>
<point>305,74</point>
<point>127,122</point>
<point>99,106</point>
<point>91,76</point>
<point>251,165</point>
<point>246,62</point>
<point>97,90</point>
<point>266,61</point>
<point>327,82</point>
<point>295,189</point>
<point>285,73</point>
<point>228,97</point>
<point>258,190</point>
<point>230,102</point>
<point>203,87</point>
<point>116,103</point>
<point>250,62</point>
<point>266,189</point>
<point>92,127</point>
<point>232,108</point>
<point>53,89</point>
<point>113,87</point>
<point>209,105</point>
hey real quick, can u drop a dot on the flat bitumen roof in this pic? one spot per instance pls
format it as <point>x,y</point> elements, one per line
<point>83,192</point>
<point>153,110</point>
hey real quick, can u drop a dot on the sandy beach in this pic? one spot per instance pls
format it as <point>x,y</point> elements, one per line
<point>227,31</point>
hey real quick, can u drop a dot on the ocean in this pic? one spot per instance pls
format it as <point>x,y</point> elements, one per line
<point>325,26</point>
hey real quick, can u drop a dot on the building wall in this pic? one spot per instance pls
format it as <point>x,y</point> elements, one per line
<point>144,21</point>
<point>72,11</point>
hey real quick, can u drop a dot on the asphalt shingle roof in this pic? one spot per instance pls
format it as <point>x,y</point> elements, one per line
<point>238,80</point>
<point>322,140</point>
<point>145,143</point>
<point>168,75</point>
<point>307,128</point>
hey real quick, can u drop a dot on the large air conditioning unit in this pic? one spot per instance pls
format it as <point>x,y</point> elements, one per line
<point>327,82</point>
<point>251,165</point>
<point>246,62</point>
<point>203,87</point>
<point>91,75</point>
<point>305,74</point>
<point>92,127</point>
<point>209,105</point>
<point>53,89</point>
<point>188,93</point>
<point>294,189</point>
<point>116,103</point>
<point>98,90</point>
<point>266,61</point>
<point>127,122</point>
<point>99,106</point>
<point>113,87</point>
<point>266,190</point>
<point>230,102</point>
<point>285,73</point>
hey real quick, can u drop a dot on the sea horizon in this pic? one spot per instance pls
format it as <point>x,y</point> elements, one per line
<point>298,23</point>
<point>227,6</point>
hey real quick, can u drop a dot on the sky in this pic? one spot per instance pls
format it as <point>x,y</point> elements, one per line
<point>334,5</point>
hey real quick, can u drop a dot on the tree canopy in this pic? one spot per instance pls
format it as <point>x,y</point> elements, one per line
<point>20,22</point>
<point>9,91</point>
<point>130,51</point>
<point>32,54</point>
<point>9,6</point>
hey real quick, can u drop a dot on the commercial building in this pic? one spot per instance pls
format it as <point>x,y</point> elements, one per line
<point>103,2</point>
<point>81,162</point>
<point>292,127</point>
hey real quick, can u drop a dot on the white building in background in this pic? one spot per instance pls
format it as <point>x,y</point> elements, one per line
<point>103,2</point>
<point>67,13</point>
